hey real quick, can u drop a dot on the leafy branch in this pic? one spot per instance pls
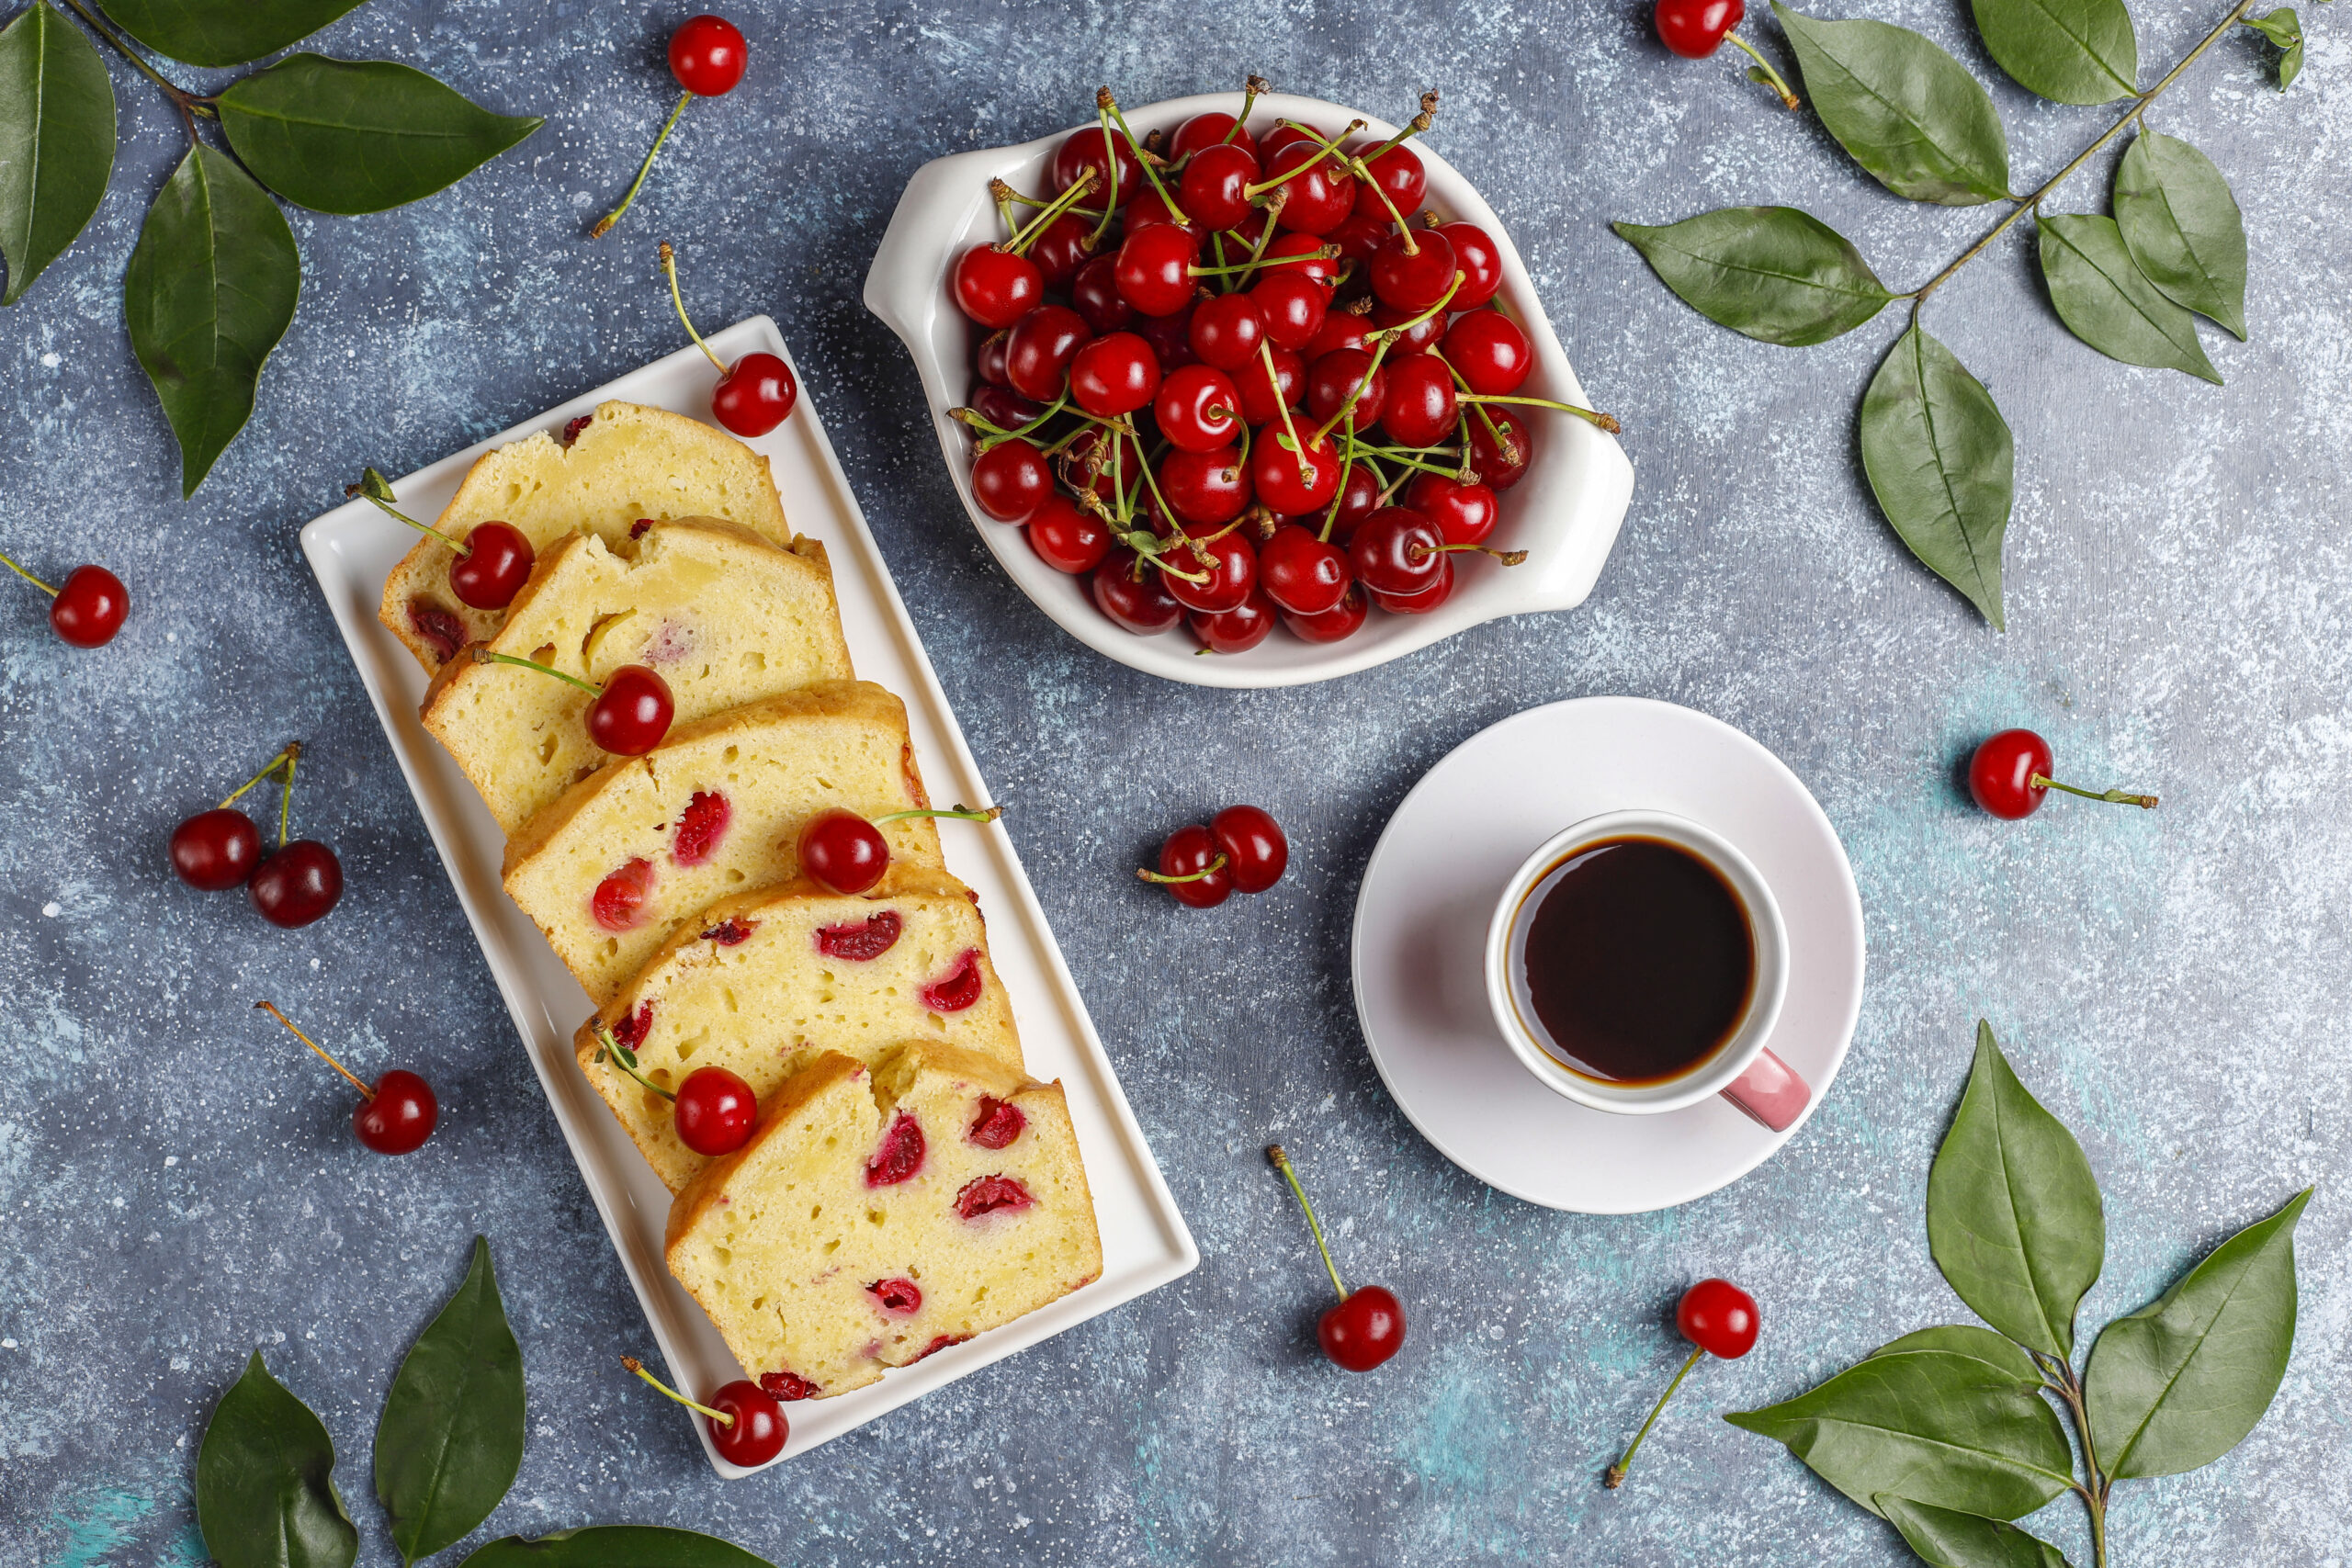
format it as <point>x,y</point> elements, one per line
<point>1939,458</point>
<point>1950,1433</point>
<point>211,286</point>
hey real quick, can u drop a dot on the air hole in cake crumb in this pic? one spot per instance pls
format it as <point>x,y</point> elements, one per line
<point>733,876</point>
<point>723,1258</point>
<point>874,1217</point>
<point>686,1048</point>
<point>830,1247</point>
<point>544,653</point>
<point>547,750</point>
<point>755,661</point>
<point>816,1210</point>
<point>732,753</point>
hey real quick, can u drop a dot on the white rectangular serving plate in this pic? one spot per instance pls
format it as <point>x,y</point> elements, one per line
<point>1144,1242</point>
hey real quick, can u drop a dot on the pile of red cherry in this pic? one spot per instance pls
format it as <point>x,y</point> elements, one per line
<point>1232,378</point>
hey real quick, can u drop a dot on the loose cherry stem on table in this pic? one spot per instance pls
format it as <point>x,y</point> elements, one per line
<point>365,1093</point>
<point>605,224</point>
<point>1280,1162</point>
<point>1615,1476</point>
<point>2112,796</point>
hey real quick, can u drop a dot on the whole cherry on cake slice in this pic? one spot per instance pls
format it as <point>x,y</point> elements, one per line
<point>495,559</point>
<point>2009,777</point>
<point>747,1425</point>
<point>1719,1319</point>
<point>88,609</point>
<point>708,55</point>
<point>396,1114</point>
<point>1367,1326</point>
<point>632,709</point>
<point>714,1111</point>
<point>755,394</point>
<point>847,854</point>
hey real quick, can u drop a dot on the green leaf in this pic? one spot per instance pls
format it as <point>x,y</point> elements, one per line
<point>2181,1382</point>
<point>1942,464</point>
<point>2076,52</point>
<point>2004,1358</point>
<point>210,289</point>
<point>1909,112</point>
<point>2284,29</point>
<point>265,1486</point>
<point>1771,271</point>
<point>451,1437</point>
<point>1949,1538</point>
<point>614,1546</point>
<point>56,140</point>
<point>1941,1427</point>
<point>2182,227</point>
<point>208,32</point>
<point>2104,299</point>
<point>352,135</point>
<point>2014,1218</point>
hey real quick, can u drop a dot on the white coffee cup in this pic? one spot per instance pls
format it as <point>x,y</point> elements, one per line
<point>1742,1069</point>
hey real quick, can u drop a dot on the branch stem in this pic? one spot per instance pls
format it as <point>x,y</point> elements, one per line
<point>188,103</point>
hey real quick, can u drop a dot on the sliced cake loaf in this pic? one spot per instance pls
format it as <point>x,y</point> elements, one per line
<point>880,1214</point>
<point>759,984</point>
<point>625,462</point>
<point>723,615</point>
<point>627,856</point>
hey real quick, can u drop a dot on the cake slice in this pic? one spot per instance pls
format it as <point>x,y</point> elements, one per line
<point>759,984</point>
<point>723,615</point>
<point>880,1214</point>
<point>622,463</point>
<point>643,845</point>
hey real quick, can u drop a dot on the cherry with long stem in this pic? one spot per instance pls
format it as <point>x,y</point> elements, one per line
<point>2112,796</point>
<point>604,225</point>
<point>722,1417</point>
<point>1105,104</point>
<point>396,1114</point>
<point>612,1050</point>
<point>1367,1326</point>
<point>375,488</point>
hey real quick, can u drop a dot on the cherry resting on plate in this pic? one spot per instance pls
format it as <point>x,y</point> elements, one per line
<point>1367,1326</point>
<point>1719,1319</point>
<point>754,395</point>
<point>2009,777</point>
<point>747,1425</point>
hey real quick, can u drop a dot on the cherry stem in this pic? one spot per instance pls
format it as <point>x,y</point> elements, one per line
<point>485,656</point>
<point>1266,352</point>
<point>1257,251</point>
<point>1413,127</point>
<point>2112,796</point>
<point>1320,252</point>
<point>376,488</point>
<point>1418,551</point>
<point>1251,90</point>
<point>1282,1163</point>
<point>633,1364</point>
<point>1347,467</point>
<point>1615,1476</point>
<point>1203,874</point>
<point>1603,421</point>
<point>286,796</point>
<point>670,271</point>
<point>1771,77</point>
<point>283,759</point>
<point>1108,104</point>
<point>365,1093</point>
<point>959,811</point>
<point>1030,231</point>
<point>1389,334</point>
<point>28,577</point>
<point>626,1060</point>
<point>1327,150</point>
<point>605,224</point>
<point>188,103</point>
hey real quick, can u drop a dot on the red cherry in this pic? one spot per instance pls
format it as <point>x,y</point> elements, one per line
<point>1114,374</point>
<point>843,852</point>
<point>1420,409</point>
<point>1695,29</point>
<point>755,1429</point>
<point>1256,851</point>
<point>1293,483</point>
<point>1501,469</point>
<point>1489,352</point>
<point>988,360</point>
<point>632,713</point>
<point>1359,499</point>
<point>1188,854</point>
<point>1479,259</point>
<point>707,56</point>
<point>1346,379</point>
<point>1226,330</point>
<point>898,1297</point>
<point>1198,409</point>
<point>1719,1317</point>
<point>1067,538</point>
<point>1440,590</point>
<point>898,1157</point>
<point>1215,187</point>
<point>1150,208</point>
<point>217,849</point>
<point>1011,481</point>
<point>995,287</point>
<point>1396,551</point>
<point>863,942</point>
<point>1363,1330</point>
<point>1170,337</point>
<point>1362,233</point>
<point>498,563</point>
<point>1282,135</point>
<point>1097,149</point>
<point>1340,329</point>
<point>1292,307</point>
<point>1066,245</point>
<point>960,988</point>
<point>1260,404</point>
<point>715,1112</point>
<point>1154,270</point>
<point>701,828</point>
<point>1398,172</point>
<point>1301,573</point>
<point>1208,488</point>
<point>619,902</point>
<point>755,395</point>
<point>398,1115</point>
<point>297,885</point>
<point>1237,630</point>
<point>1130,592</point>
<point>1003,407</point>
<point>1230,572</point>
<point>1095,293</point>
<point>89,607</point>
<point>1412,272</point>
<point>1418,338</point>
<point>1040,348</point>
<point>1337,624</point>
<point>2000,774</point>
<point>1465,514</point>
<point>1208,129</point>
<point>1320,197</point>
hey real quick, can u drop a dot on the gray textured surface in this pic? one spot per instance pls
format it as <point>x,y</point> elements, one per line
<point>177,1184</point>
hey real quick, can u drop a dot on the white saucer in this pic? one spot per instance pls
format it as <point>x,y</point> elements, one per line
<point>1421,926</point>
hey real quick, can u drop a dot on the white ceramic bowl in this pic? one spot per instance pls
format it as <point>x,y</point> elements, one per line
<point>1565,512</point>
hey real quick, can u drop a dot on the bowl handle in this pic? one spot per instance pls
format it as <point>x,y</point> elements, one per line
<point>903,283</point>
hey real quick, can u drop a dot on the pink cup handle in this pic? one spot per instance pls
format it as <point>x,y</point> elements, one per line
<point>1771,1092</point>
